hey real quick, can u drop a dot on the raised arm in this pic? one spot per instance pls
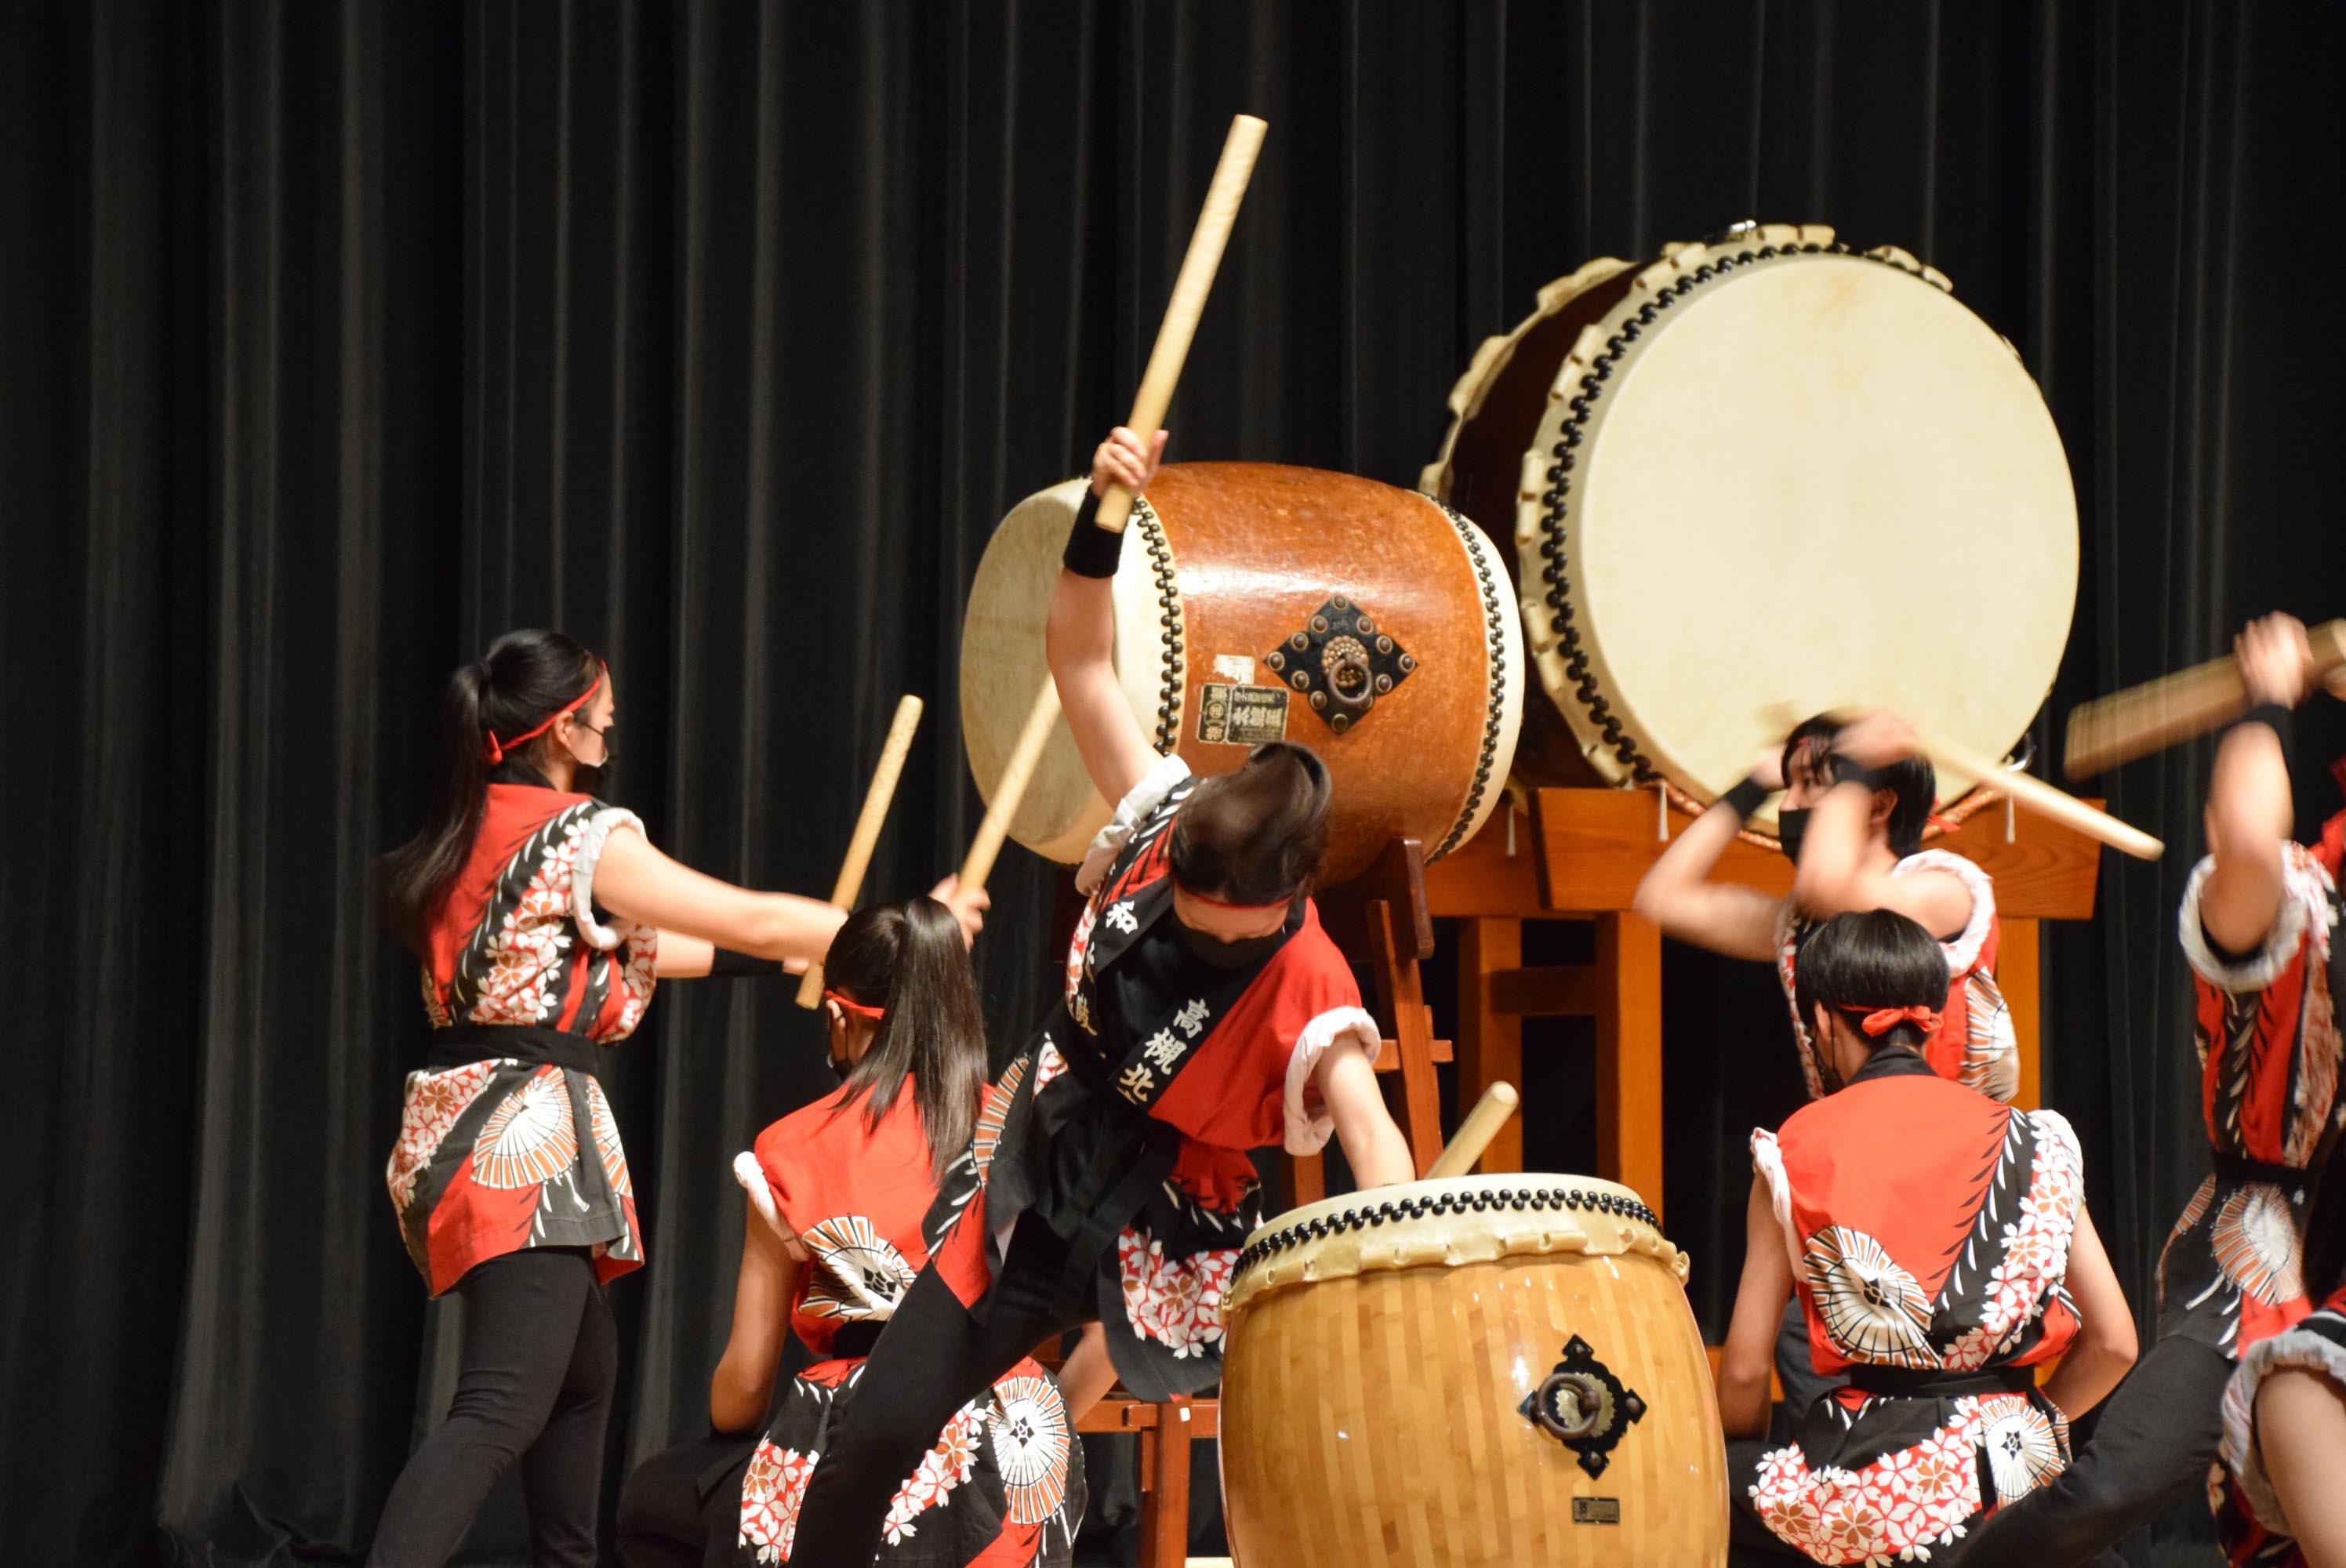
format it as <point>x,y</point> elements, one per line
<point>2250,812</point>
<point>2105,1346</point>
<point>1080,637</point>
<point>742,1388</point>
<point>1750,1349</point>
<point>1836,874</point>
<point>1678,895</point>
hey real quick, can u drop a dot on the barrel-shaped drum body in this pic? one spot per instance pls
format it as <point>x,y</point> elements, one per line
<point>1258,602</point>
<point>1768,472</point>
<point>1469,1373</point>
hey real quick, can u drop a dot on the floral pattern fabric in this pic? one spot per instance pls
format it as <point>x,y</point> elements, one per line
<point>506,1152</point>
<point>1929,1229</point>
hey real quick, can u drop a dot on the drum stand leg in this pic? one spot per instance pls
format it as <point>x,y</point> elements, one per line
<point>1490,1041</point>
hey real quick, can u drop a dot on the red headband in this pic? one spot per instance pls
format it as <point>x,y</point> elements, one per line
<point>1197,897</point>
<point>848,1004</point>
<point>498,750</point>
<point>1883,1019</point>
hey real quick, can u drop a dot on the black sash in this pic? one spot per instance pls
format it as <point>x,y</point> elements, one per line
<point>464,1044</point>
<point>2237,1168</point>
<point>1919,1382</point>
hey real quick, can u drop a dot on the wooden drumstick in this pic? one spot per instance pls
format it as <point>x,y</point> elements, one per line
<point>2035,795</point>
<point>1475,1133</point>
<point>1189,303</point>
<point>850,886</point>
<point>2176,707</point>
<point>1011,787</point>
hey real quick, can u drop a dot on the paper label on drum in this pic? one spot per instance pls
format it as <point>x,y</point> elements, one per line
<point>1241,715</point>
<point>1235,666</point>
<point>1596,1511</point>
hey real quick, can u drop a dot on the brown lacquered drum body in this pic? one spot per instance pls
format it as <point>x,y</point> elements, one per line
<point>1256,602</point>
<point>1764,471</point>
<point>1478,1373</point>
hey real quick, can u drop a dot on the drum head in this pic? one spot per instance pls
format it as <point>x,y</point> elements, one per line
<point>1813,481</point>
<point>1002,666</point>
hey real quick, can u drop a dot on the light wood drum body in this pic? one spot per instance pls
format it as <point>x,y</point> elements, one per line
<point>1476,1372</point>
<point>1256,602</point>
<point>1769,470</point>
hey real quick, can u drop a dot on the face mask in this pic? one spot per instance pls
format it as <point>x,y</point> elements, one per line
<point>839,1067</point>
<point>1210,948</point>
<point>1791,827</point>
<point>603,735</point>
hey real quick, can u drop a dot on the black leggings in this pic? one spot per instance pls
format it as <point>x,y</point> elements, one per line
<point>933,1358</point>
<point>538,1364</point>
<point>2155,1438</point>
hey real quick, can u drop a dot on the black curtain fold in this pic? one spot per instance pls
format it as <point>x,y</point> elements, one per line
<point>335,339</point>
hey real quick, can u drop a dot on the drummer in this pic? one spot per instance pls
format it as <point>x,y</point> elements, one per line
<point>1937,1246</point>
<point>1206,1013</point>
<point>1857,801</point>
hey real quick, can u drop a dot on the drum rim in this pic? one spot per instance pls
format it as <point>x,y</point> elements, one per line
<point>1503,683</point>
<point>1612,739</point>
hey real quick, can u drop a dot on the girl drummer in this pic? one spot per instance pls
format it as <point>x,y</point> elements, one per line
<point>837,1193</point>
<point>1940,1248</point>
<point>542,918</point>
<point>2256,925</point>
<point>1206,1013</point>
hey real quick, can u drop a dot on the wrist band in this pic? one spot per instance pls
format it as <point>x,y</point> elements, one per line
<point>1846,771</point>
<point>724,963</point>
<point>1092,551</point>
<point>1746,797</point>
<point>2273,716</point>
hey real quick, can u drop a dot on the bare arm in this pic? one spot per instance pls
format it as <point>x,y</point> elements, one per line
<point>742,1388</point>
<point>1079,640</point>
<point>2249,809</point>
<point>1832,877</point>
<point>1373,1145</point>
<point>1677,894</point>
<point>2301,1431</point>
<point>639,883</point>
<point>1088,1375</point>
<point>1750,1351</point>
<point>2105,1346</point>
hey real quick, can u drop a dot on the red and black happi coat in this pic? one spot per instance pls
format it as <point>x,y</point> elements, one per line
<point>505,1140</point>
<point>1976,1044</point>
<point>1004,1483</point>
<point>1125,1122</point>
<point>1928,1227</point>
<point>2269,1055</point>
<point>2249,1520</point>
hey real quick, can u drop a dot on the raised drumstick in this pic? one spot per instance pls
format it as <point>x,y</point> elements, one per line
<point>1231,172</point>
<point>1011,787</point>
<point>850,886</point>
<point>2035,794</point>
<point>2176,707</point>
<point>1475,1133</point>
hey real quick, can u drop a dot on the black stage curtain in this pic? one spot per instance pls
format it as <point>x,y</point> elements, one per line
<point>335,338</point>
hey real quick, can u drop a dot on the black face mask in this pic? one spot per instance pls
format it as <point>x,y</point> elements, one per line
<point>1791,827</point>
<point>840,1066</point>
<point>1210,948</point>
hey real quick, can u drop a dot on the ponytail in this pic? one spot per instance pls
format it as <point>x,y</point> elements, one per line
<point>909,960</point>
<point>526,676</point>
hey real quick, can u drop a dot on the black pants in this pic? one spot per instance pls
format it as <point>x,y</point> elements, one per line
<point>934,1357</point>
<point>682,1507</point>
<point>538,1364</point>
<point>2154,1440</point>
<point>1796,1370</point>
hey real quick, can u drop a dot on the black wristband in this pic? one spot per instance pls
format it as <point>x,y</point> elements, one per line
<point>1092,551</point>
<point>1746,797</point>
<point>1846,771</point>
<point>2273,716</point>
<point>724,963</point>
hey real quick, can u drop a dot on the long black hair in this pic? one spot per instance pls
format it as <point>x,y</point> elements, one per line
<point>909,960</point>
<point>1255,836</point>
<point>1867,959</point>
<point>527,676</point>
<point>1912,782</point>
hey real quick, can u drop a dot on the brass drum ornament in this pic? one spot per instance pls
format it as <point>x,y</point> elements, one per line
<point>1259,602</point>
<point>1764,471</point>
<point>1469,1372</point>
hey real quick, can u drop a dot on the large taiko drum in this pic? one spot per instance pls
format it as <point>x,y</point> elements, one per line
<point>1475,1372</point>
<point>1764,471</point>
<point>1256,602</point>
